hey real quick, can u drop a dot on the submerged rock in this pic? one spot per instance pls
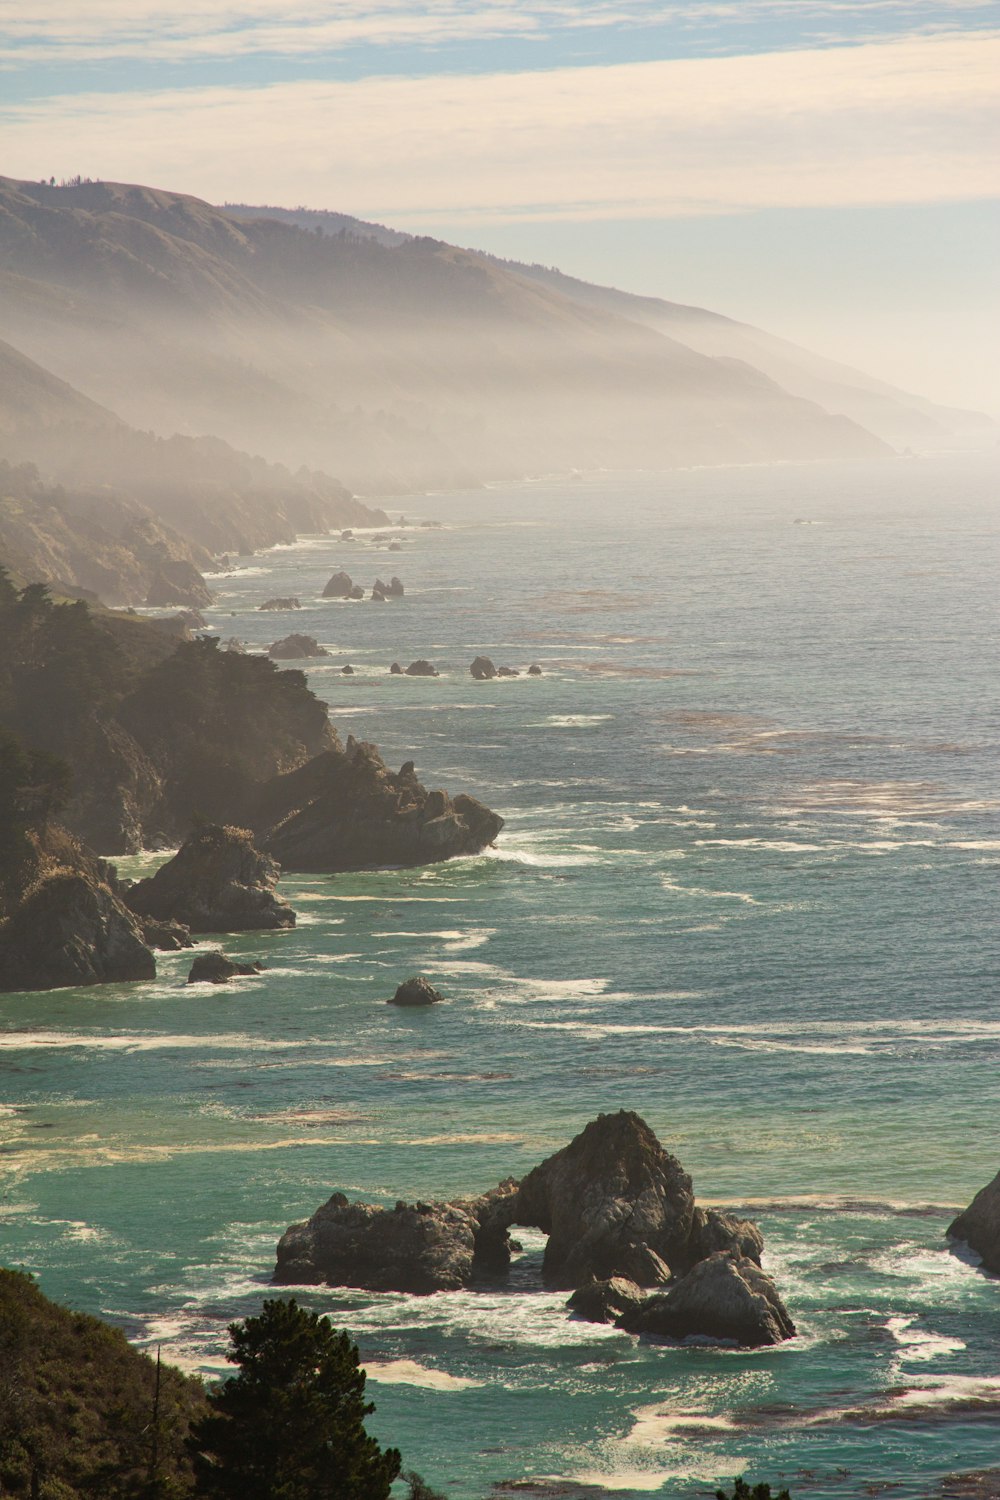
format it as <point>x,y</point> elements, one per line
<point>296,648</point>
<point>534,670</point>
<point>72,930</point>
<point>216,968</point>
<point>508,672</point>
<point>421,1248</point>
<point>979,1225</point>
<point>482,669</point>
<point>218,881</point>
<point>725,1297</point>
<point>605,1301</point>
<point>289,603</point>
<point>416,991</point>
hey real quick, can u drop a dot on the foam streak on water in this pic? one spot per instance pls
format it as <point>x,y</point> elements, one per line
<point>747,887</point>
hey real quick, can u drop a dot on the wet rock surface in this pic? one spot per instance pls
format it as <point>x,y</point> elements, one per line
<point>339,586</point>
<point>613,1202</point>
<point>218,881</point>
<point>726,1297</point>
<point>216,968</point>
<point>979,1225</point>
<point>416,991</point>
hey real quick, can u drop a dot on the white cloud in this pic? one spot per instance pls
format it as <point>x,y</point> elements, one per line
<point>912,120</point>
<point>180,30</point>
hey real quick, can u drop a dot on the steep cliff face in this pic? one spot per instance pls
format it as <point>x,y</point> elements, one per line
<point>72,930</point>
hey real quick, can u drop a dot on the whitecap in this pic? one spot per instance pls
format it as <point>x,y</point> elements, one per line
<point>409,1372</point>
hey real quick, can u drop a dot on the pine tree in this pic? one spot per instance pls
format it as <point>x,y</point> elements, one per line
<point>290,1425</point>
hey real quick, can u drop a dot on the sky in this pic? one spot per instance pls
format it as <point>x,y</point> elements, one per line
<point>827,169</point>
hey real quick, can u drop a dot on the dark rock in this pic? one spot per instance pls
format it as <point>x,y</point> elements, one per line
<point>395,589</point>
<point>178,583</point>
<point>482,669</point>
<point>71,930</point>
<point>421,668</point>
<point>346,810</point>
<point>712,1231</point>
<point>605,1301</point>
<point>395,546</point>
<point>357,592</point>
<point>168,936</point>
<point>339,587</point>
<point>218,881</point>
<point>396,670</point>
<point>289,603</point>
<point>607,1200</point>
<point>508,672</point>
<point>611,1202</point>
<point>979,1225</point>
<point>216,968</point>
<point>724,1297</point>
<point>415,991</point>
<point>347,670</point>
<point>534,670</point>
<point>379,593</point>
<point>416,1248</point>
<point>296,648</point>
<point>347,536</point>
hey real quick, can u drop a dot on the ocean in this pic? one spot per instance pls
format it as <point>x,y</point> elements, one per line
<point>748,887</point>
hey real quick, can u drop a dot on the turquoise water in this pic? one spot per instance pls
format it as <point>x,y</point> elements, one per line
<point>748,887</point>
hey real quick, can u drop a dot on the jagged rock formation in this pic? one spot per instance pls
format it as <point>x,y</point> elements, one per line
<point>727,1296</point>
<point>420,1248</point>
<point>482,669</point>
<point>178,583</point>
<point>218,881</point>
<point>979,1225</point>
<point>216,968</point>
<point>346,810</point>
<point>168,936</point>
<point>339,586</point>
<point>416,991</point>
<point>72,930</point>
<point>421,668</point>
<point>289,603</point>
<point>606,1301</point>
<point>613,1203</point>
<point>296,648</point>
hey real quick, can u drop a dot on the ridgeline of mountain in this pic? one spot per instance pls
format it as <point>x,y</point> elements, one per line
<point>395,367</point>
<point>320,221</point>
<point>898,416</point>
<point>93,506</point>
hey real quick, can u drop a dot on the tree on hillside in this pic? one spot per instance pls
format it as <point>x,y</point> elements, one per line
<point>742,1491</point>
<point>290,1425</point>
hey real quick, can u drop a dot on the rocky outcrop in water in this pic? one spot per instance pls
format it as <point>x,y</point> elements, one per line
<point>168,937</point>
<point>282,604</point>
<point>613,1202</point>
<point>218,881</point>
<point>178,583</point>
<point>482,669</point>
<point>416,991</point>
<point>72,930</point>
<point>979,1225</point>
<point>725,1297</point>
<point>295,648</point>
<point>422,668</point>
<point>339,586</point>
<point>216,968</point>
<point>346,810</point>
<point>419,1248</point>
<point>606,1301</point>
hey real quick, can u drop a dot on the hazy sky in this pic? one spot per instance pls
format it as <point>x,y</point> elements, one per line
<point>829,169</point>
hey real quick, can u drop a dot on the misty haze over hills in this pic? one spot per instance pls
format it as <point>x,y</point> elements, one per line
<point>156,342</point>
